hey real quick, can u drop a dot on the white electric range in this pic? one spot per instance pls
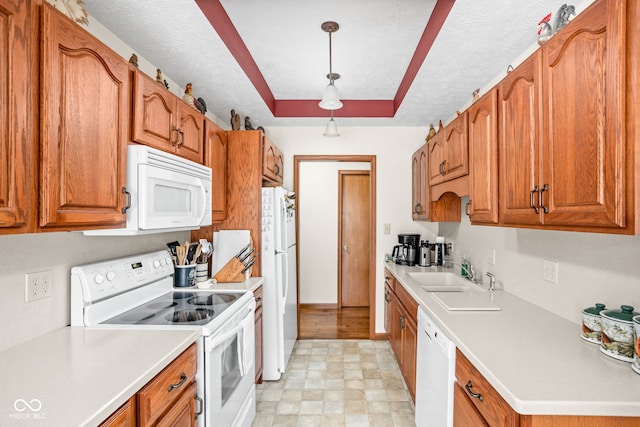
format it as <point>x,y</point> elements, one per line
<point>137,292</point>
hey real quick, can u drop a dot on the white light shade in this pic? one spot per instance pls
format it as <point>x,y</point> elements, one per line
<point>332,129</point>
<point>330,98</point>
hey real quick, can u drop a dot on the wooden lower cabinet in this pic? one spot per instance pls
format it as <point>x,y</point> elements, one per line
<point>169,399</point>
<point>477,403</point>
<point>257,294</point>
<point>125,416</point>
<point>402,310</point>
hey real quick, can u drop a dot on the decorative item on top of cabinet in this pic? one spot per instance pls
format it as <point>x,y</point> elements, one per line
<point>483,160</point>
<point>18,125</point>
<point>247,123</point>
<point>235,120</point>
<point>573,171</point>
<point>83,140</point>
<point>162,120</point>
<point>73,9</point>
<point>133,60</point>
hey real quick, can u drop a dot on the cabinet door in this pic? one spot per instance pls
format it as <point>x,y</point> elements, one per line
<point>519,153</point>
<point>183,412</point>
<point>397,319</point>
<point>483,159</point>
<point>125,416</point>
<point>456,148</point>
<point>583,113</point>
<point>420,184</point>
<point>388,309</point>
<point>216,152</point>
<point>409,353</point>
<point>84,118</point>
<point>279,166</point>
<point>191,140</point>
<point>465,413</point>
<point>270,168</point>
<point>436,159</point>
<point>153,118</point>
<point>18,149</point>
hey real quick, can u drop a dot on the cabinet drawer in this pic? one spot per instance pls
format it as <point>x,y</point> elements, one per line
<point>389,280</point>
<point>487,400</point>
<point>164,390</point>
<point>407,300</point>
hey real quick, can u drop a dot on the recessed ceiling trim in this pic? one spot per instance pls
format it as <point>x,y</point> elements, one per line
<point>222,24</point>
<point>350,108</point>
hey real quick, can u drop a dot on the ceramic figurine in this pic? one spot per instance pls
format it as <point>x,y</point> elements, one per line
<point>134,60</point>
<point>545,31</point>
<point>188,95</point>
<point>432,132</point>
<point>247,123</point>
<point>235,120</point>
<point>159,78</point>
<point>476,95</point>
<point>562,17</point>
<point>201,105</point>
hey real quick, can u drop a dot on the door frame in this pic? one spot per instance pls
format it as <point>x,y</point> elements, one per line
<point>341,174</point>
<point>371,159</point>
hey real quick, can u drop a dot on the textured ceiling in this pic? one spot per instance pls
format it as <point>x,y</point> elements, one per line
<point>371,51</point>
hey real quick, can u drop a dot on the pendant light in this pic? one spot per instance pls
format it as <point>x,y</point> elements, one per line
<point>332,128</point>
<point>330,98</point>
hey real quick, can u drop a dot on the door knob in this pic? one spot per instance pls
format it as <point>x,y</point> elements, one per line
<point>346,248</point>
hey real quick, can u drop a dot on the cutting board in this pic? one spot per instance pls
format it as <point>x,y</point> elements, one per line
<point>226,245</point>
<point>466,301</point>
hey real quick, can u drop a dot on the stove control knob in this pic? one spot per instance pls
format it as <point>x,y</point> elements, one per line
<point>167,261</point>
<point>99,278</point>
<point>156,263</point>
<point>111,275</point>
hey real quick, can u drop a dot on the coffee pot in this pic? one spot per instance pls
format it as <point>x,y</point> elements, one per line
<point>406,253</point>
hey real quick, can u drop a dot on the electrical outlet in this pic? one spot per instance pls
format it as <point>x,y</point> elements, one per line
<point>491,258</point>
<point>38,285</point>
<point>387,229</point>
<point>550,271</point>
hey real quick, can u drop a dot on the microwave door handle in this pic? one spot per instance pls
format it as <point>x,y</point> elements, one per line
<point>204,201</point>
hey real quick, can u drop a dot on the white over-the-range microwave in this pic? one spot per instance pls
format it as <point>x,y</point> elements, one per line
<point>165,193</point>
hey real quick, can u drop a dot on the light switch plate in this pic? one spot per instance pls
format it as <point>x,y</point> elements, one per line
<point>387,229</point>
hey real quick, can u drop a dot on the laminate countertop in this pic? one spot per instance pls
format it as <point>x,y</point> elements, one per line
<point>251,284</point>
<point>77,376</point>
<point>534,358</point>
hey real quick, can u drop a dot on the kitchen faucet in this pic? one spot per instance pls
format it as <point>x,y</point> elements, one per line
<point>492,281</point>
<point>470,270</point>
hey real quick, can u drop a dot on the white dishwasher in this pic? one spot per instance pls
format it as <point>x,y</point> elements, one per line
<point>435,375</point>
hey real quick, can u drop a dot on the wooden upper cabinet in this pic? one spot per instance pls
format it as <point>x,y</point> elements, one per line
<point>84,118</point>
<point>519,152</point>
<point>449,152</point>
<point>420,184</point>
<point>583,80</point>
<point>162,120</point>
<point>272,161</point>
<point>18,91</point>
<point>456,148</point>
<point>483,159</point>
<point>216,152</point>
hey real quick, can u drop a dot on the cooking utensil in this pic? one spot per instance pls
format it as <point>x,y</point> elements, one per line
<point>196,254</point>
<point>248,265</point>
<point>243,250</point>
<point>181,254</point>
<point>191,252</point>
<point>172,247</point>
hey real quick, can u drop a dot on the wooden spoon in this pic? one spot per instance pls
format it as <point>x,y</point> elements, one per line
<point>181,253</point>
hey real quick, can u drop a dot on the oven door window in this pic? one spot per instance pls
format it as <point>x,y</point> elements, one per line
<point>229,369</point>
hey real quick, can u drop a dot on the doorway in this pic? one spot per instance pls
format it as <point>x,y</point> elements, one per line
<point>332,317</point>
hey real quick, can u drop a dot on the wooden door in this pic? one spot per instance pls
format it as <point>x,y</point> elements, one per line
<point>436,159</point>
<point>153,119</point>
<point>191,125</point>
<point>355,240</point>
<point>18,91</point>
<point>456,148</point>
<point>84,119</point>
<point>420,184</point>
<point>483,159</point>
<point>519,153</point>
<point>216,152</point>
<point>583,112</point>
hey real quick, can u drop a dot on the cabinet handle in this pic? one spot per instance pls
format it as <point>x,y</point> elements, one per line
<point>444,162</point>
<point>476,395</point>
<point>466,208</point>
<point>540,203</point>
<point>417,208</point>
<point>402,320</point>
<point>128,205</point>
<point>183,379</point>
<point>176,130</point>
<point>201,405</point>
<point>531,194</point>
<point>258,299</point>
<point>181,134</point>
<point>277,169</point>
<point>386,296</point>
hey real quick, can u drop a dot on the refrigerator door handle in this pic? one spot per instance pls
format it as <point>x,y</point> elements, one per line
<point>285,281</point>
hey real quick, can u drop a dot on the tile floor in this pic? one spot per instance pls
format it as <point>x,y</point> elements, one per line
<point>335,383</point>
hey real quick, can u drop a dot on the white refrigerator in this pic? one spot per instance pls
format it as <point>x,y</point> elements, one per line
<point>280,299</point>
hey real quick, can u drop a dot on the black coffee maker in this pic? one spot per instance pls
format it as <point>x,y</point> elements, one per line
<point>406,253</point>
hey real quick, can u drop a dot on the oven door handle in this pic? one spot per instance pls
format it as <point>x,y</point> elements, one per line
<point>216,341</point>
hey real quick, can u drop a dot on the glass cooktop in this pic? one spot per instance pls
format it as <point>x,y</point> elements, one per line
<point>179,307</point>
